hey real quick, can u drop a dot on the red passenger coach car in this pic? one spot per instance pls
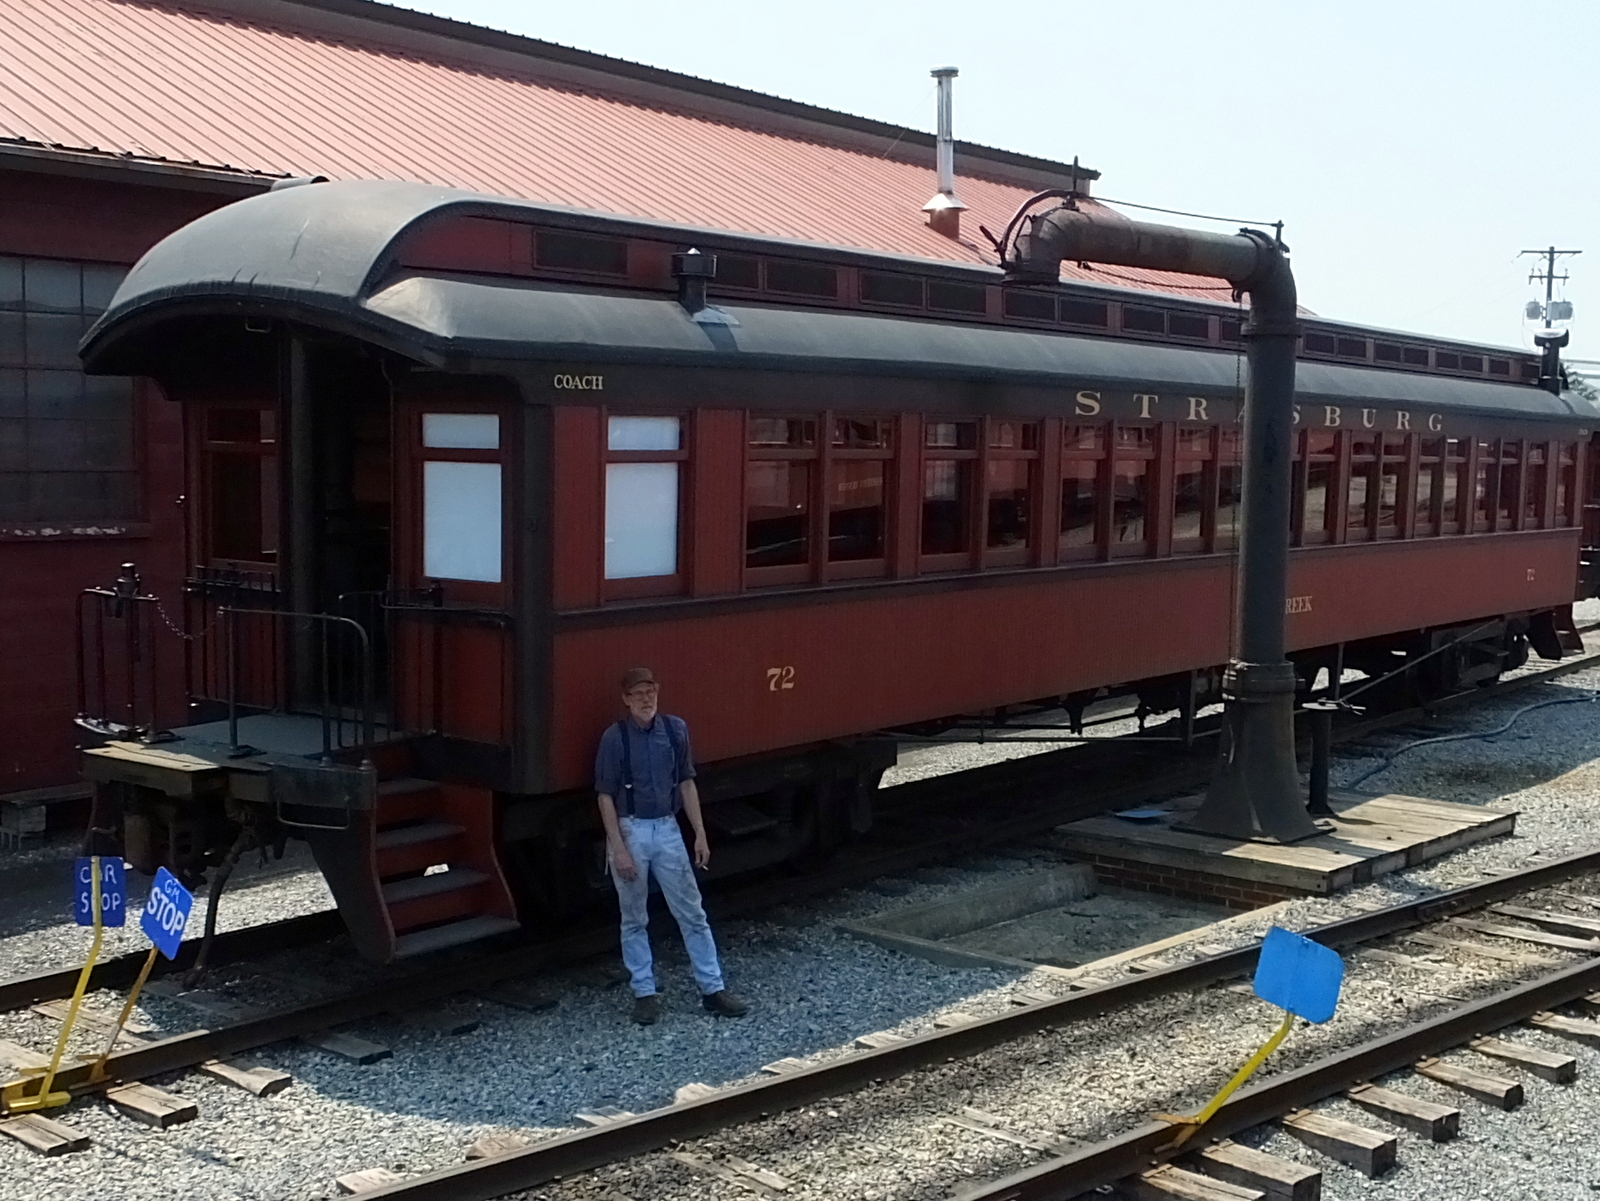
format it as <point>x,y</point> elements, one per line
<point>456,462</point>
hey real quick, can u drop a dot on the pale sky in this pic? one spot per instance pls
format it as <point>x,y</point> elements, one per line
<point>1412,147</point>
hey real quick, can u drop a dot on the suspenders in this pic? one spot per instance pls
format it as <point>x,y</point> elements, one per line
<point>627,760</point>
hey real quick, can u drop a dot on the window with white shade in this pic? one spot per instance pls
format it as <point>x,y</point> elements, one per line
<point>461,431</point>
<point>461,521</point>
<point>644,469</point>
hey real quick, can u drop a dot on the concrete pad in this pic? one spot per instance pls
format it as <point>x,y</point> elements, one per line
<point>973,909</point>
<point>1090,929</point>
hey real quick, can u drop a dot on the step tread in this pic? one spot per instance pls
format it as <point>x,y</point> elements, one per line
<point>404,784</point>
<point>453,934</point>
<point>428,886</point>
<point>409,835</point>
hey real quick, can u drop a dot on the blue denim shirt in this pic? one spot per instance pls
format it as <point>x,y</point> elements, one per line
<point>657,768</point>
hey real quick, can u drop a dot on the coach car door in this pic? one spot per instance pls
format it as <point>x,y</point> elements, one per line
<point>449,616</point>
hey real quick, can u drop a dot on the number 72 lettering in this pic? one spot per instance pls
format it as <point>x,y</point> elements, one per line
<point>780,679</point>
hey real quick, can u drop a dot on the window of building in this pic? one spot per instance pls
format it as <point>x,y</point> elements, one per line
<point>950,451</point>
<point>1429,488</point>
<point>66,439</point>
<point>858,480</point>
<point>1321,469</point>
<point>1083,450</point>
<point>1230,489</point>
<point>1191,480</point>
<point>1132,477</point>
<point>1566,484</point>
<point>1391,485</point>
<point>778,489</point>
<point>1009,468</point>
<point>1537,478</point>
<point>1361,497</point>
<point>644,468</point>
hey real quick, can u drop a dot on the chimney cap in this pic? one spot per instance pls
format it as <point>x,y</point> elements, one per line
<point>945,72</point>
<point>943,202</point>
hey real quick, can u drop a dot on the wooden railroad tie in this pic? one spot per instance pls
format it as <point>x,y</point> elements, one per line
<point>498,1142</point>
<point>1581,1030</point>
<point>1277,1179</point>
<point>252,1077</point>
<point>1368,1151</point>
<point>151,1106</point>
<point>602,1116</point>
<point>1478,949</point>
<point>735,1171</point>
<point>1518,934</point>
<point>44,1135</point>
<point>1439,1123</point>
<point>366,1180</point>
<point>347,1046</point>
<point>878,1040</point>
<point>1491,1090</point>
<point>1560,923</point>
<point>995,1126</point>
<point>694,1091</point>
<point>1169,1183</point>
<point>781,1067</point>
<point>1547,1065</point>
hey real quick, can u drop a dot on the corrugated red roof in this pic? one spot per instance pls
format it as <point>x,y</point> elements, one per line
<point>338,97</point>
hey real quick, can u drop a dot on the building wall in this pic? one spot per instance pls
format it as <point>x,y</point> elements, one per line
<point>48,558</point>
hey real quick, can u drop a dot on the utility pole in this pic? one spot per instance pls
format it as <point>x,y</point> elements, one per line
<point>1548,277</point>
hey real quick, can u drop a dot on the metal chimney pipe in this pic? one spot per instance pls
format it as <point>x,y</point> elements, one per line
<point>1256,791</point>
<point>944,210</point>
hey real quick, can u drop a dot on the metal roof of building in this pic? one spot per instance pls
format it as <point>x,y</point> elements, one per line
<point>353,89</point>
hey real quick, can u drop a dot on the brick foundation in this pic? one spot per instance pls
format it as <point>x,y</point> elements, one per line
<point>1185,885</point>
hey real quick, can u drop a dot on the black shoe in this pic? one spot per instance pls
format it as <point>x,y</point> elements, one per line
<point>646,1010</point>
<point>724,1005</point>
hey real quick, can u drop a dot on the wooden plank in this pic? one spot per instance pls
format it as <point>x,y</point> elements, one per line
<point>1479,949</point>
<point>1547,1065</point>
<point>44,1135</point>
<point>1517,933</point>
<point>498,1142</point>
<point>1369,1152</point>
<point>1427,1118</point>
<point>1279,1179</point>
<point>57,1011</point>
<point>347,1046</point>
<point>150,1105</point>
<point>1581,1030</point>
<point>17,1058</point>
<point>1491,1090</point>
<point>252,1077</point>
<point>1168,1183</point>
<point>366,1180</point>
<point>1561,923</point>
<point>694,1091</point>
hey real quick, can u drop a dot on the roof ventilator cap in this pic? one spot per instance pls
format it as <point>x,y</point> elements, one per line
<point>296,181</point>
<point>944,210</point>
<point>694,270</point>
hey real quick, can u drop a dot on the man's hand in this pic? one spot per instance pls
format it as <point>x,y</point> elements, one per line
<point>622,863</point>
<point>702,849</point>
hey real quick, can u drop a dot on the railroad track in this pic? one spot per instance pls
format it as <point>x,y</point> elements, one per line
<point>1130,1155</point>
<point>636,1135</point>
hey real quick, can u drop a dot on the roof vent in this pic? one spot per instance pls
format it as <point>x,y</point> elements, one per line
<point>944,210</point>
<point>296,181</point>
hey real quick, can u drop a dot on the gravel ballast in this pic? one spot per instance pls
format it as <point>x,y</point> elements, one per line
<point>813,990</point>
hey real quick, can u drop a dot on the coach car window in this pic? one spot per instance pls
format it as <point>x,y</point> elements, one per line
<point>1361,496</point>
<point>240,447</point>
<point>1456,487</point>
<point>1191,477</point>
<point>644,469</point>
<point>778,483</point>
<point>1484,479</point>
<point>1536,476</point>
<point>1132,472</point>
<point>1430,473</point>
<point>858,474</point>
<point>461,431</point>
<point>1013,450</point>
<point>461,520</point>
<point>1507,509</point>
<point>1390,486</point>
<point>1083,449</point>
<point>950,449</point>
<point>1321,461</point>
<point>1230,489</point>
<point>1566,484</point>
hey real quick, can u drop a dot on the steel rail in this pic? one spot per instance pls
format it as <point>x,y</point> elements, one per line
<point>615,1141</point>
<point>1152,1143</point>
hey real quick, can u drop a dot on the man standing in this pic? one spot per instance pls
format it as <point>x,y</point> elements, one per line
<point>644,774</point>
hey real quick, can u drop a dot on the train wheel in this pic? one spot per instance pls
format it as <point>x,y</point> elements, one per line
<point>822,822</point>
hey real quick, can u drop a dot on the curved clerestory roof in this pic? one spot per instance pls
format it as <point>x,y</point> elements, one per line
<point>326,256</point>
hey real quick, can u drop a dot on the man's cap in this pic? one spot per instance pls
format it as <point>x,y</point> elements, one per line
<point>635,676</point>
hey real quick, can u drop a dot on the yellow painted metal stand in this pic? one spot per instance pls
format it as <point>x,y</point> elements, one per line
<point>1193,1122</point>
<point>15,1097</point>
<point>97,1073</point>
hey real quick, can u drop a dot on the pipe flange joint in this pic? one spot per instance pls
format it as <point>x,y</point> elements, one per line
<point>1259,681</point>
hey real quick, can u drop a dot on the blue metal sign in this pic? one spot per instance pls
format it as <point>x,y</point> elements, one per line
<point>167,912</point>
<point>1299,975</point>
<point>113,891</point>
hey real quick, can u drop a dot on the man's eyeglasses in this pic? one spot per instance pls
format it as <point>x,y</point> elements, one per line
<point>644,690</point>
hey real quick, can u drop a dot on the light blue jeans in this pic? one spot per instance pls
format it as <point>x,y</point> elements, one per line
<point>656,845</point>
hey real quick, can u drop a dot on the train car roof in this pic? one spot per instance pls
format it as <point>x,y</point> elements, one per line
<point>325,255</point>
